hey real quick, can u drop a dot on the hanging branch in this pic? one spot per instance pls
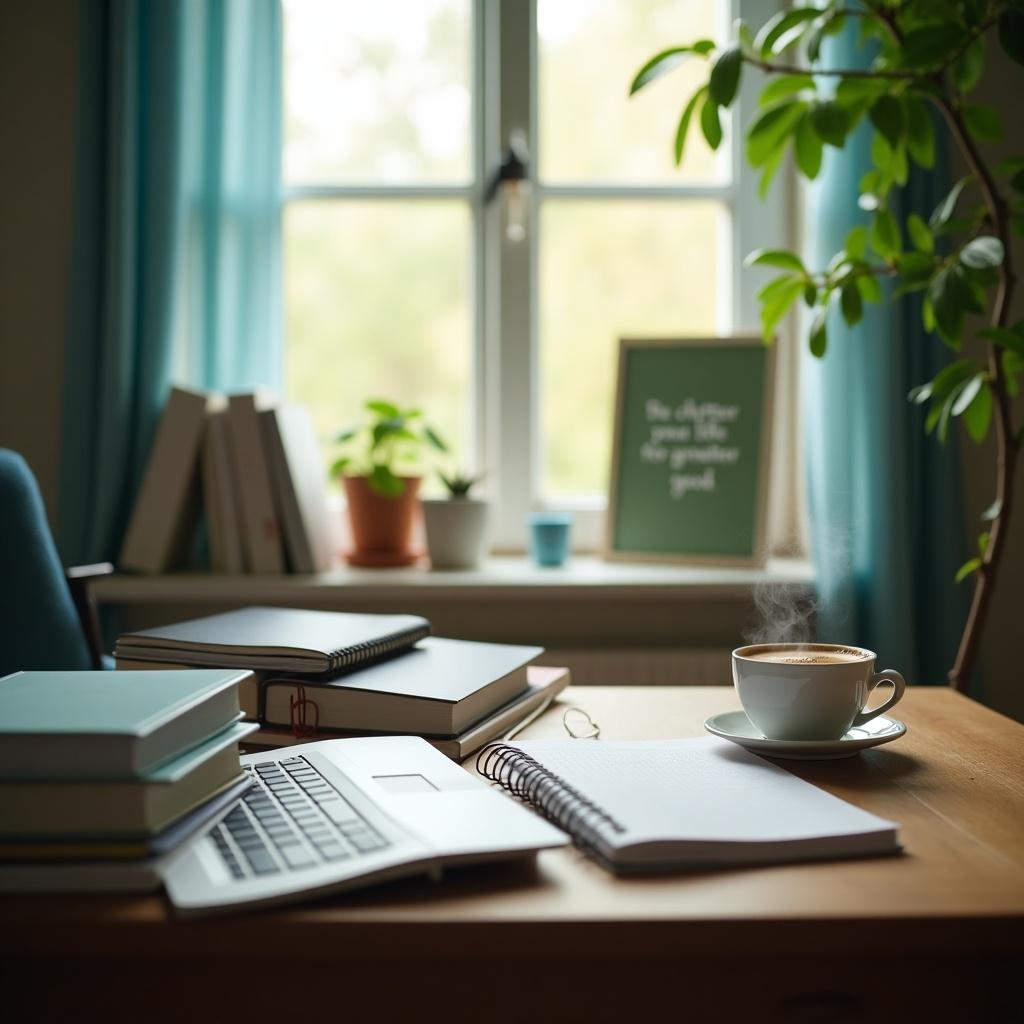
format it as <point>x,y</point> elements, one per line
<point>927,54</point>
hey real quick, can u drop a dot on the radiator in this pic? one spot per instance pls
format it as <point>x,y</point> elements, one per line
<point>683,666</point>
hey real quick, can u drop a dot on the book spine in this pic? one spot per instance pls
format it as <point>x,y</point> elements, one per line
<point>360,654</point>
<point>526,778</point>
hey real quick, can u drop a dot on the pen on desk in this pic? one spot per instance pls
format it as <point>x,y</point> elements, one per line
<point>529,719</point>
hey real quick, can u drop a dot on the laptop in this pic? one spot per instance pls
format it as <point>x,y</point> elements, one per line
<point>340,814</point>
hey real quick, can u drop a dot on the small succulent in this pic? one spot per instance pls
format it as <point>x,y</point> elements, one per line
<point>459,484</point>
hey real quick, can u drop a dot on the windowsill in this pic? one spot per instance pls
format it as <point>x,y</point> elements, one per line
<point>500,578</point>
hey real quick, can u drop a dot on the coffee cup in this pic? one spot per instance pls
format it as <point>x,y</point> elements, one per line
<point>809,691</point>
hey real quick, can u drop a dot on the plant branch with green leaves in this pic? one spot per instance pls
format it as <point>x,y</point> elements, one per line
<point>389,445</point>
<point>926,56</point>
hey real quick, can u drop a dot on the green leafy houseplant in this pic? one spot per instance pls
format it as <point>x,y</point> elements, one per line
<point>389,445</point>
<point>928,56</point>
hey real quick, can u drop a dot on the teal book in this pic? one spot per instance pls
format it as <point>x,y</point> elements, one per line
<point>109,725</point>
<point>123,808</point>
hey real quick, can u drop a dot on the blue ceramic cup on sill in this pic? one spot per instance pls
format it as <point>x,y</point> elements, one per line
<point>549,537</point>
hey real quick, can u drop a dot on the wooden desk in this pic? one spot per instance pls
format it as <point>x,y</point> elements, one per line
<point>936,934</point>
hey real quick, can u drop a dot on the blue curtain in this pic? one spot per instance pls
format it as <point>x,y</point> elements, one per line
<point>175,253</point>
<point>885,500</point>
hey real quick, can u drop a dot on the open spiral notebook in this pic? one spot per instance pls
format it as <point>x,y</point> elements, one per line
<point>659,805</point>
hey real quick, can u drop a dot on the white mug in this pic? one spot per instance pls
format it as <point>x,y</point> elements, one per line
<point>809,691</point>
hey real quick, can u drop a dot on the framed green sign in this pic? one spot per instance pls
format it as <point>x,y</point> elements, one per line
<point>689,479</point>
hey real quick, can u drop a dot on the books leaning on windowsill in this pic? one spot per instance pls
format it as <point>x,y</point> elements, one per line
<point>103,773</point>
<point>250,468</point>
<point>319,674</point>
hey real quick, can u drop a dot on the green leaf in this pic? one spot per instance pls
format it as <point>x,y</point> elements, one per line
<point>778,32</point>
<point>434,439</point>
<point>1013,366</point>
<point>983,251</point>
<point>983,539</point>
<point>915,267</point>
<point>771,165</point>
<point>869,288</point>
<point>978,414</point>
<point>887,117</point>
<point>386,410</point>
<point>338,466</point>
<point>768,133</point>
<point>819,334</point>
<point>857,242</point>
<point>983,122</point>
<point>346,435</point>
<point>668,60</point>
<point>725,77</point>
<point>969,66</point>
<point>831,121</point>
<point>785,85</point>
<point>949,312</point>
<point>775,258</point>
<point>968,393</point>
<point>808,148</point>
<point>945,208</point>
<point>885,234</point>
<point>920,131</point>
<point>920,394</point>
<point>1011,34</point>
<point>931,46</point>
<point>710,124</point>
<point>684,123</point>
<point>950,376</point>
<point>850,304</point>
<point>919,234</point>
<point>993,511</point>
<point>776,307</point>
<point>384,482</point>
<point>1005,337</point>
<point>810,295</point>
<point>970,566</point>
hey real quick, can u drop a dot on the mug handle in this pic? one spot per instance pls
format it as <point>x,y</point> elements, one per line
<point>887,675</point>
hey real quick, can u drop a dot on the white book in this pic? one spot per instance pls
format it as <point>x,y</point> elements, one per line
<point>164,515</point>
<point>657,805</point>
<point>297,478</point>
<point>223,524</point>
<point>261,531</point>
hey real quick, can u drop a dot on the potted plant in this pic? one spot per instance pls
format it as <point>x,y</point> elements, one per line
<point>381,471</point>
<point>928,57</point>
<point>456,524</point>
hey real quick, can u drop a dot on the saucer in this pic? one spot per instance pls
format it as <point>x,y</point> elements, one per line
<point>736,727</point>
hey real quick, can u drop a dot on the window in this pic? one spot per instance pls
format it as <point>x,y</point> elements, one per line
<point>402,278</point>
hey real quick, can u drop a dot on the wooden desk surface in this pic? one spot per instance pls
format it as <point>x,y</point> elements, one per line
<point>955,783</point>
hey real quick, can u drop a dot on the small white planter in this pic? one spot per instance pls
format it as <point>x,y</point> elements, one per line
<point>455,531</point>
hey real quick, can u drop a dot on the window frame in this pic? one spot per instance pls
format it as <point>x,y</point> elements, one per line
<point>505,402</point>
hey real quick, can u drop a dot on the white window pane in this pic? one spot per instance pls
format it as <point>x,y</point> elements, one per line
<point>589,52</point>
<point>611,269</point>
<point>378,299</point>
<point>377,91</point>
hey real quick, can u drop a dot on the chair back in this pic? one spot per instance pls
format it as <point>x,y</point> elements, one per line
<point>39,627</point>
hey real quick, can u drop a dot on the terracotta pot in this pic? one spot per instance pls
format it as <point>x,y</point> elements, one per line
<point>382,526</point>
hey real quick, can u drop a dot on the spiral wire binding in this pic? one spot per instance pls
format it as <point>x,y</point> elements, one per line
<point>359,654</point>
<point>526,778</point>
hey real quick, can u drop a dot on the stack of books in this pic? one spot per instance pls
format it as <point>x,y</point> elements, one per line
<point>103,773</point>
<point>252,468</point>
<point>317,674</point>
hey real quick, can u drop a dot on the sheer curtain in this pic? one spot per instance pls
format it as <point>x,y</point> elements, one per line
<point>175,260</point>
<point>885,500</point>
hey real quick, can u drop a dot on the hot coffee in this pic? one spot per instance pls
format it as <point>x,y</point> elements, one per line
<point>807,656</point>
<point>809,691</point>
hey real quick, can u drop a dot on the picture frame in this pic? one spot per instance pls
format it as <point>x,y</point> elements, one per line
<point>691,451</point>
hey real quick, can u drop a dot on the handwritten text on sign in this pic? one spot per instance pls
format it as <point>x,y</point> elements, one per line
<point>691,441</point>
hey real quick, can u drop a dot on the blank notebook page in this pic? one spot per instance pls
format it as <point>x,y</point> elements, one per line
<point>697,789</point>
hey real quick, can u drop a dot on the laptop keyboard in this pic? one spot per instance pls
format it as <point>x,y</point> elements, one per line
<point>291,819</point>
